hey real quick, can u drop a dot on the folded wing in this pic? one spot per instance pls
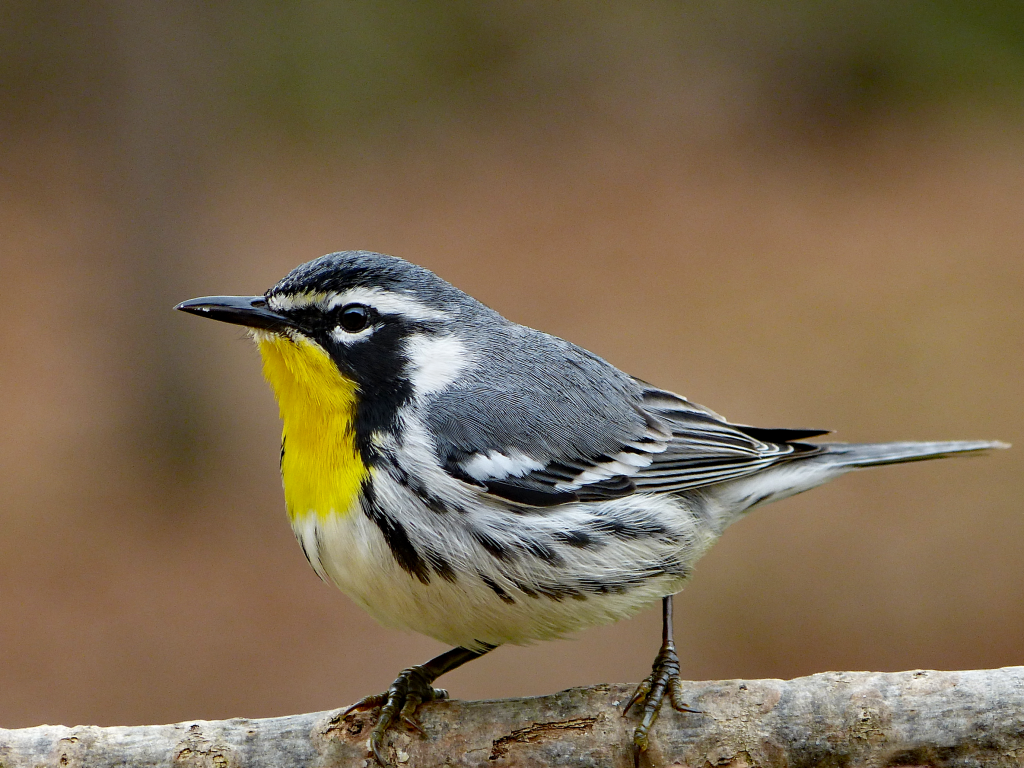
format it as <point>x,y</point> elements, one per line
<point>669,445</point>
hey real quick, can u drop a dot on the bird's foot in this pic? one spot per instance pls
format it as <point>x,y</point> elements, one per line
<point>664,679</point>
<point>403,698</point>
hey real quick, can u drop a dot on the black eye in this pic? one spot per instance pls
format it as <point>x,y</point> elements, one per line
<point>354,317</point>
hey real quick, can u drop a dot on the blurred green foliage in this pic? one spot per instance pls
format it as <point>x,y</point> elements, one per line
<point>314,68</point>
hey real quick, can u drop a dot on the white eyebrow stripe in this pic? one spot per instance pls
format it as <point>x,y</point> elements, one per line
<point>386,302</point>
<point>435,361</point>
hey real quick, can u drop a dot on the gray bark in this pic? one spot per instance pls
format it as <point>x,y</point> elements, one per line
<point>913,718</point>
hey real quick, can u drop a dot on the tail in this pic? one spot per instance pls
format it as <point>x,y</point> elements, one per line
<point>809,470</point>
<point>857,455</point>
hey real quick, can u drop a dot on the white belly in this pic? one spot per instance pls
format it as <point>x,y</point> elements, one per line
<point>350,551</point>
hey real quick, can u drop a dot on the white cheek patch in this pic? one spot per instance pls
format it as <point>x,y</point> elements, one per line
<point>498,466</point>
<point>435,362</point>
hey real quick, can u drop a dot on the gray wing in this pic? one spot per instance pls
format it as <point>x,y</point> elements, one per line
<point>556,438</point>
<point>532,421</point>
<point>705,448</point>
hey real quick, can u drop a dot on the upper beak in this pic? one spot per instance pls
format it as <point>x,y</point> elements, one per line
<point>250,311</point>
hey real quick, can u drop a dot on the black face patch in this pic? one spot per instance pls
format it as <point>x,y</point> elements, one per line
<point>378,366</point>
<point>376,362</point>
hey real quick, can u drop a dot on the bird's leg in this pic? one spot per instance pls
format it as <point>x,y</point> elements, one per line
<point>664,678</point>
<point>412,687</point>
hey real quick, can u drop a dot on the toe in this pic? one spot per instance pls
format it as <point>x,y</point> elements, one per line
<point>388,714</point>
<point>639,744</point>
<point>676,692</point>
<point>367,702</point>
<point>408,713</point>
<point>377,747</point>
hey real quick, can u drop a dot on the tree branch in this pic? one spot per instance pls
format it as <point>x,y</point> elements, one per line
<point>837,718</point>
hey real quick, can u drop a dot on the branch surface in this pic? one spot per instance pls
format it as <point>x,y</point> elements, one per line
<point>915,718</point>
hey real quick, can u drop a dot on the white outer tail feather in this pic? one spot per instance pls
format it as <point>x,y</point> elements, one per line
<point>801,474</point>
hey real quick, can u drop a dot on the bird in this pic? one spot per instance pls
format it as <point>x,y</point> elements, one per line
<point>483,483</point>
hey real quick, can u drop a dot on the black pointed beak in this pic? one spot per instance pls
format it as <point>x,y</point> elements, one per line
<point>250,311</point>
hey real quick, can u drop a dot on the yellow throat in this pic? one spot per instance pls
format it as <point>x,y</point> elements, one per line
<point>320,464</point>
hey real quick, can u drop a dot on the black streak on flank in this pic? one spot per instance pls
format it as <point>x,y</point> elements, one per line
<point>753,501</point>
<point>559,592</point>
<point>403,478</point>
<point>580,539</point>
<point>319,541</point>
<point>578,589</point>
<point>526,590</point>
<point>496,589</point>
<point>395,536</point>
<point>508,553</point>
<point>626,531</point>
<point>302,544</point>
<point>556,592</point>
<point>599,587</point>
<point>673,566</point>
<point>492,545</point>
<point>543,551</point>
<point>440,566</point>
<point>433,503</point>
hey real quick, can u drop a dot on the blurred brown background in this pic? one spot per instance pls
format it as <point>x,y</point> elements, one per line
<point>807,215</point>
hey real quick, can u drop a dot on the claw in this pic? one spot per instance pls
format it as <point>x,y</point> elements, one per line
<point>640,694</point>
<point>663,680</point>
<point>378,750</point>
<point>411,689</point>
<point>400,703</point>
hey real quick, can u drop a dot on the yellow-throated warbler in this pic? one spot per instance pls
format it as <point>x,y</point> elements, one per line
<point>484,483</point>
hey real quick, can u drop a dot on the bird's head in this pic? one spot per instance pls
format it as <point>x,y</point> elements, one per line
<point>347,341</point>
<point>374,324</point>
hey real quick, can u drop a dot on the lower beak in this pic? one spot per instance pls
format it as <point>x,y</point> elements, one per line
<point>250,311</point>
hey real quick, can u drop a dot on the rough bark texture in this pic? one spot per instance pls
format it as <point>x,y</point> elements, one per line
<point>838,718</point>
